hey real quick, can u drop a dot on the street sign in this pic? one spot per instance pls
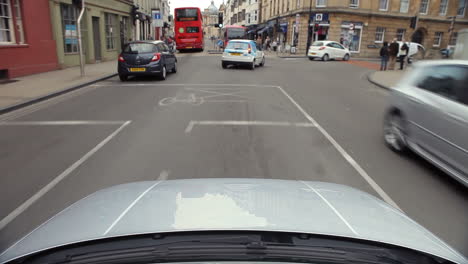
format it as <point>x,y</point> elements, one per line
<point>319,17</point>
<point>157,18</point>
<point>351,26</point>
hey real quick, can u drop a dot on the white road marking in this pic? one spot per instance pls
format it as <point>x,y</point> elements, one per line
<point>61,123</point>
<point>5,221</point>
<point>345,154</point>
<point>185,84</point>
<point>129,207</point>
<point>244,123</point>
<point>331,207</point>
<point>164,175</point>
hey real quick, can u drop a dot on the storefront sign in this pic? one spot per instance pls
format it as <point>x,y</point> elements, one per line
<point>319,17</point>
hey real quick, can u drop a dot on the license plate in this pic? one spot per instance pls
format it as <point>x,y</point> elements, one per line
<point>313,53</point>
<point>235,54</point>
<point>137,69</point>
<point>189,47</point>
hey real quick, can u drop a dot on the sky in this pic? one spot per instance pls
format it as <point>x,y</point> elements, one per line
<point>202,4</point>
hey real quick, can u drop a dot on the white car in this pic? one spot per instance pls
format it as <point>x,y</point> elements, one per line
<point>242,52</point>
<point>327,50</point>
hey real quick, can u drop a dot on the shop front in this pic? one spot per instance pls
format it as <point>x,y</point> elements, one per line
<point>282,31</point>
<point>319,26</point>
<point>351,35</point>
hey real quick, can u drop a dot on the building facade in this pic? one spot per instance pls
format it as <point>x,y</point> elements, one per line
<point>363,25</point>
<point>210,19</point>
<point>242,12</point>
<point>27,45</point>
<point>146,26</point>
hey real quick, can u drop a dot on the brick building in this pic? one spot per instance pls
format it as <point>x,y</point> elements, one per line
<point>363,25</point>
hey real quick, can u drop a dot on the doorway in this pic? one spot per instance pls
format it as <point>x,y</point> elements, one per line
<point>418,36</point>
<point>97,39</point>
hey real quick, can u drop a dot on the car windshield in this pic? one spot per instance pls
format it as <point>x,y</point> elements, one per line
<point>346,120</point>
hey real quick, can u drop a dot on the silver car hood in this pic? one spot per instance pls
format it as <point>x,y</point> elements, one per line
<point>231,204</point>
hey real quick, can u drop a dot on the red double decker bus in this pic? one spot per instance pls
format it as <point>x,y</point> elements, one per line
<point>233,32</point>
<point>188,28</point>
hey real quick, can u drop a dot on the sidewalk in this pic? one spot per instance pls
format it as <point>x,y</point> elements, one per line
<point>34,88</point>
<point>385,79</point>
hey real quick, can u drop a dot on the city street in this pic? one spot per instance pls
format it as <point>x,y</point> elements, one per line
<point>292,119</point>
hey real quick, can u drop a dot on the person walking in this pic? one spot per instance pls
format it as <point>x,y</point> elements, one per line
<point>392,53</point>
<point>267,43</point>
<point>384,56</point>
<point>403,53</point>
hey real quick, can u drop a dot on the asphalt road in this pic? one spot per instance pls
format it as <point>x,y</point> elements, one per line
<point>292,119</point>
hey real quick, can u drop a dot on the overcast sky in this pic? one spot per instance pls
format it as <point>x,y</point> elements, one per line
<point>202,4</point>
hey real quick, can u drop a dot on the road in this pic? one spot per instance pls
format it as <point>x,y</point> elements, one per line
<point>292,119</point>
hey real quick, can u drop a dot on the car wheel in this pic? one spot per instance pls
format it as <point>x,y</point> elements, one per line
<point>346,57</point>
<point>123,78</point>
<point>252,66</point>
<point>395,132</point>
<point>174,69</point>
<point>310,58</point>
<point>325,57</point>
<point>163,74</point>
<point>263,62</point>
<point>224,65</point>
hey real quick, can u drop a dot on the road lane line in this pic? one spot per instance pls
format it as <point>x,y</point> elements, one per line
<point>186,84</point>
<point>345,154</point>
<point>10,217</point>
<point>331,207</point>
<point>244,123</point>
<point>129,207</point>
<point>60,123</point>
<point>164,175</point>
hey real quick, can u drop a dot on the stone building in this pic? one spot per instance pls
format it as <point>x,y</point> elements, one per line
<point>210,19</point>
<point>363,25</point>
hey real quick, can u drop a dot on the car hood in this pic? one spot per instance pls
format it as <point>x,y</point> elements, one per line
<point>231,204</point>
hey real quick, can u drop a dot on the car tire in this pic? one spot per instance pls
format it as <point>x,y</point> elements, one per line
<point>123,78</point>
<point>174,69</point>
<point>325,57</point>
<point>252,66</point>
<point>395,132</point>
<point>163,74</point>
<point>224,65</point>
<point>346,57</point>
<point>310,58</point>
<point>263,62</point>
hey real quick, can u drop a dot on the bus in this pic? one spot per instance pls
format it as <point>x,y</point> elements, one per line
<point>188,28</point>
<point>233,32</point>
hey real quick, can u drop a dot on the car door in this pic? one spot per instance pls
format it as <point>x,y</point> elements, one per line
<point>331,50</point>
<point>171,54</point>
<point>258,53</point>
<point>438,114</point>
<point>340,50</point>
<point>166,55</point>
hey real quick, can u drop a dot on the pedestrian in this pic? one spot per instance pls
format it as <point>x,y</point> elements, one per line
<point>384,56</point>
<point>259,41</point>
<point>392,53</point>
<point>403,53</point>
<point>274,45</point>
<point>267,43</point>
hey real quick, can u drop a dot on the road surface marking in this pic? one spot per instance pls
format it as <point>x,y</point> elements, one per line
<point>164,175</point>
<point>345,154</point>
<point>331,207</point>
<point>129,207</point>
<point>5,221</point>
<point>185,84</point>
<point>60,123</point>
<point>244,123</point>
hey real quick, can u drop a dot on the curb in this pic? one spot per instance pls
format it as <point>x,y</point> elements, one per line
<point>292,57</point>
<point>52,95</point>
<point>369,79</point>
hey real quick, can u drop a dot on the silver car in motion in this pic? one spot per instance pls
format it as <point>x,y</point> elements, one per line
<point>428,114</point>
<point>240,220</point>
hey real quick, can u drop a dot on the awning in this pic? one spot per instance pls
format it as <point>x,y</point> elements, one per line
<point>263,30</point>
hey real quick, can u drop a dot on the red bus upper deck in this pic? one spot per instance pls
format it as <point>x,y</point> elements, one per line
<point>188,28</point>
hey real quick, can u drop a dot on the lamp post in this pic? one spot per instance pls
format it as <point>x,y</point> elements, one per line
<point>80,46</point>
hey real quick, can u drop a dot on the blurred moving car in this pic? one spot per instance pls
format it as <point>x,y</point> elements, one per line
<point>428,114</point>
<point>146,58</point>
<point>237,220</point>
<point>244,53</point>
<point>327,50</point>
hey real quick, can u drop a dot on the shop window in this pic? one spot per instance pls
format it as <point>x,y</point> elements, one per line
<point>461,8</point>
<point>404,6</point>
<point>354,3</point>
<point>9,23</point>
<point>70,33</point>
<point>383,5</point>
<point>351,38</point>
<point>424,7</point>
<point>379,34</point>
<point>110,30</point>
<point>321,3</point>
<point>437,39</point>
<point>400,35</point>
<point>443,7</point>
<point>19,21</point>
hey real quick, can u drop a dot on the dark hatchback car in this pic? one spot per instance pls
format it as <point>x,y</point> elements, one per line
<point>146,59</point>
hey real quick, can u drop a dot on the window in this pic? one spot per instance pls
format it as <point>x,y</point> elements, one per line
<point>443,7</point>
<point>437,39</point>
<point>255,17</point>
<point>354,3</point>
<point>7,34</point>
<point>19,21</point>
<point>379,34</point>
<point>321,3</point>
<point>193,29</point>
<point>383,5</point>
<point>453,39</point>
<point>404,6</point>
<point>424,7</point>
<point>461,7</point>
<point>163,47</point>
<point>70,33</point>
<point>249,18</point>
<point>446,81</point>
<point>137,48</point>
<point>110,28</point>
<point>400,35</point>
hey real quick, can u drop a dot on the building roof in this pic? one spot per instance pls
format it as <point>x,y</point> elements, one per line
<point>213,9</point>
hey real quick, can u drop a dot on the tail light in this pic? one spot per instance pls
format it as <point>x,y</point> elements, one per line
<point>249,49</point>
<point>322,48</point>
<point>156,57</point>
<point>121,58</point>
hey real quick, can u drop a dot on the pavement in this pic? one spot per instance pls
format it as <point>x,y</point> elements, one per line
<point>292,119</point>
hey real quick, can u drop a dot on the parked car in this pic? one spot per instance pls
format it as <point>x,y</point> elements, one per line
<point>428,114</point>
<point>414,49</point>
<point>146,58</point>
<point>327,50</point>
<point>231,221</point>
<point>244,53</point>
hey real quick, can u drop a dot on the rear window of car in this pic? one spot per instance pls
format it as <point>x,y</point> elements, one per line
<point>317,44</point>
<point>237,45</point>
<point>137,48</point>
